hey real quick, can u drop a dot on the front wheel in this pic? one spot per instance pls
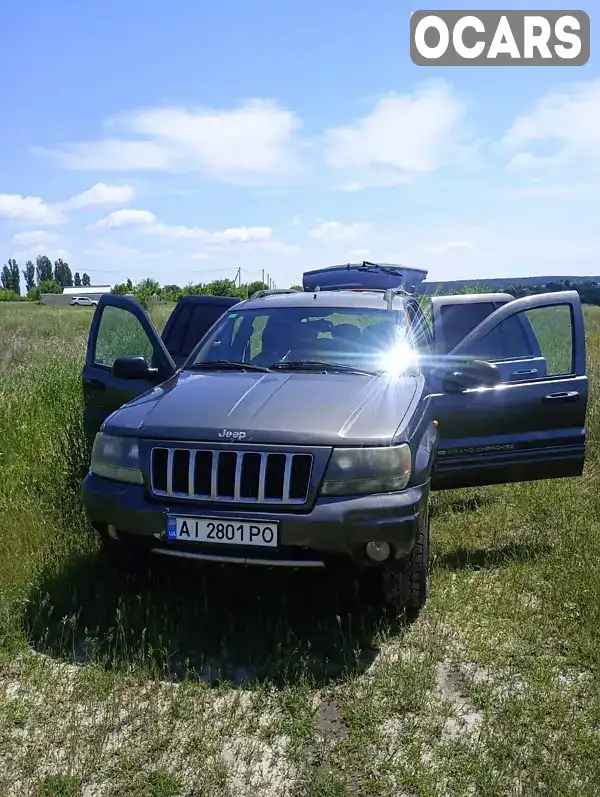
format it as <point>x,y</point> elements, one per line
<point>406,585</point>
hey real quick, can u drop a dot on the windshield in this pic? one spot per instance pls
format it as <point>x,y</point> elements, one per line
<point>362,338</point>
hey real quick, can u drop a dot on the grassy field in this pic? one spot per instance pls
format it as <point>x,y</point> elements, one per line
<point>196,681</point>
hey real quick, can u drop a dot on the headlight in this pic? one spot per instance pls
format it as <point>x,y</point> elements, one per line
<point>353,471</point>
<point>116,458</point>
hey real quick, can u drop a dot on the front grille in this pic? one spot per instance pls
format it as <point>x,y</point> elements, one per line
<point>234,476</point>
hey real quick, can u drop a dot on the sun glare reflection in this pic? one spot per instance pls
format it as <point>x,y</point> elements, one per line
<point>397,360</point>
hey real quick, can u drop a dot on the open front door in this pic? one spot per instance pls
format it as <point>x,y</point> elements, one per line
<point>532,425</point>
<point>120,327</point>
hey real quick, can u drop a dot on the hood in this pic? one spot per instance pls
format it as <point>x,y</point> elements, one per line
<point>286,408</point>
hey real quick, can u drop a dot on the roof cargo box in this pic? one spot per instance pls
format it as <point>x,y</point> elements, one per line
<point>364,275</point>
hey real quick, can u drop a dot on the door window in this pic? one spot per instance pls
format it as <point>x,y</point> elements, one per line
<point>543,335</point>
<point>421,326</point>
<point>553,329</point>
<point>120,334</point>
<point>458,320</point>
<point>191,323</point>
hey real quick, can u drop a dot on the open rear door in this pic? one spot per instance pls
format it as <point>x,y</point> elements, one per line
<point>120,327</point>
<point>512,346</point>
<point>531,426</point>
<point>191,318</point>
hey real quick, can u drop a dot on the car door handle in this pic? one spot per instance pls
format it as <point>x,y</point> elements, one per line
<point>567,395</point>
<point>96,384</point>
<point>526,372</point>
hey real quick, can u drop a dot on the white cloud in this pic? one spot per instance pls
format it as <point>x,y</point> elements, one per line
<point>256,138</point>
<point>32,237</point>
<point>567,120</point>
<point>242,235</point>
<point>34,209</point>
<point>334,231</point>
<point>145,222</point>
<point>98,195</point>
<point>359,253</point>
<point>30,209</point>
<point>404,134</point>
<point>127,219</point>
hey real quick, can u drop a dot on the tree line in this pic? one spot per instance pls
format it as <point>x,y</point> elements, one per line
<point>150,290</point>
<point>43,277</point>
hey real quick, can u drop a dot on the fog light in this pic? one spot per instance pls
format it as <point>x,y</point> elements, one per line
<point>377,551</point>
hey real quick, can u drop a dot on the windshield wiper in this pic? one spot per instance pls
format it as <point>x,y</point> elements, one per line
<point>238,366</point>
<point>317,365</point>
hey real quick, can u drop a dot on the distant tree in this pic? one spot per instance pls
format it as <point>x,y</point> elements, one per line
<point>85,280</point>
<point>8,296</point>
<point>148,284</point>
<point>43,267</point>
<point>49,286</point>
<point>11,277</point>
<point>6,278</point>
<point>145,290</point>
<point>29,274</point>
<point>222,288</point>
<point>171,293</point>
<point>77,279</point>
<point>16,276</point>
<point>62,274</point>
<point>123,288</point>
<point>296,288</point>
<point>252,287</point>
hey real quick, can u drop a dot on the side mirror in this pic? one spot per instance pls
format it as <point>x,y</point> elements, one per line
<point>133,367</point>
<point>477,373</point>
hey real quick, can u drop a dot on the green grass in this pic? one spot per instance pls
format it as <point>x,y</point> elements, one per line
<point>181,681</point>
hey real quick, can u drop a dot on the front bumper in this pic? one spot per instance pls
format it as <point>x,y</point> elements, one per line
<point>335,529</point>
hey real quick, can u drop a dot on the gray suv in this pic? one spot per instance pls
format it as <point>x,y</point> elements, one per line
<point>306,429</point>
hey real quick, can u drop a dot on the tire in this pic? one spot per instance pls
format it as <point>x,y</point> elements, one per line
<point>406,586</point>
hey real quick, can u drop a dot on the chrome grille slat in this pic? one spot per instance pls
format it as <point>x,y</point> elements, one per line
<point>237,480</point>
<point>287,477</point>
<point>170,456</point>
<point>214,476</point>
<point>243,481</point>
<point>262,478</point>
<point>191,471</point>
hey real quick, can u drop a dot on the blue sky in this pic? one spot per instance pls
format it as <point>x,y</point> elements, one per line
<point>183,140</point>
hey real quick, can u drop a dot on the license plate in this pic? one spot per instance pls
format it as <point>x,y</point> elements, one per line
<point>227,532</point>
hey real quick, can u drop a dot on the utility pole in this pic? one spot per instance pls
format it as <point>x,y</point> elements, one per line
<point>263,277</point>
<point>238,277</point>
